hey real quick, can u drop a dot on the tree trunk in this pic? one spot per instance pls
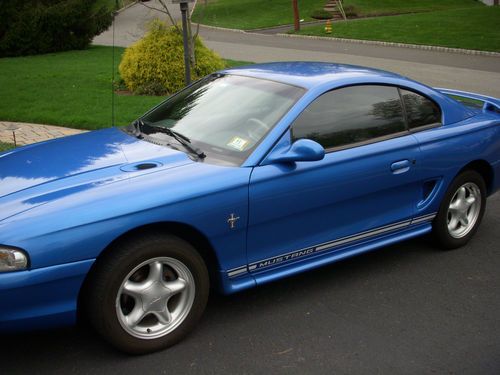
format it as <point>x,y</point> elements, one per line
<point>296,17</point>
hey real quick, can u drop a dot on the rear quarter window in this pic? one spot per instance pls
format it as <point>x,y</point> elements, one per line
<point>420,111</point>
<point>474,103</point>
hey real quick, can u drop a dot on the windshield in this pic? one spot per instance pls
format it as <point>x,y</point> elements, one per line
<point>225,116</point>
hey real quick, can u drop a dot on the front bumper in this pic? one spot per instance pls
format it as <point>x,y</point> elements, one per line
<point>41,298</point>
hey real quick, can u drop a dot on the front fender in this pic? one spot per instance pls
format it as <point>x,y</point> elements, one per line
<point>79,227</point>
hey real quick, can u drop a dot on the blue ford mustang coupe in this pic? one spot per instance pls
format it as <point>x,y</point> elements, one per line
<point>246,176</point>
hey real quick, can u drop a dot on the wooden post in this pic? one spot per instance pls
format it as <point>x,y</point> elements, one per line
<point>296,17</point>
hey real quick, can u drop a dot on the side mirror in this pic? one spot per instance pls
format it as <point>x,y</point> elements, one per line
<point>300,150</point>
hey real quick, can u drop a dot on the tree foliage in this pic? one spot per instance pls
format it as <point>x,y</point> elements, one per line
<point>30,27</point>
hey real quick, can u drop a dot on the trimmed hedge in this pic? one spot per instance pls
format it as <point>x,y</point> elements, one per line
<point>321,14</point>
<point>155,64</point>
<point>31,27</point>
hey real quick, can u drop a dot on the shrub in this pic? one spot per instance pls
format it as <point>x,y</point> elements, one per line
<point>350,11</point>
<point>321,14</point>
<point>156,62</point>
<point>151,89</point>
<point>29,27</point>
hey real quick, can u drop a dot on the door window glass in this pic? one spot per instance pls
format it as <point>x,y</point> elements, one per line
<point>351,115</point>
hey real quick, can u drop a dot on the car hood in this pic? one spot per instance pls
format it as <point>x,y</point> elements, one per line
<point>74,162</point>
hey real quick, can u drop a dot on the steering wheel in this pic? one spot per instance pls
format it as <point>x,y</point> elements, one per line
<point>256,128</point>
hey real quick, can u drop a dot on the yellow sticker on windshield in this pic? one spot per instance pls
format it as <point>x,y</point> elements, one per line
<point>238,143</point>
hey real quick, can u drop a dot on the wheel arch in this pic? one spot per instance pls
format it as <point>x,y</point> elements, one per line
<point>184,231</point>
<point>484,169</point>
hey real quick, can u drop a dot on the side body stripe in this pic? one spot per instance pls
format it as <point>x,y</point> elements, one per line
<point>299,254</point>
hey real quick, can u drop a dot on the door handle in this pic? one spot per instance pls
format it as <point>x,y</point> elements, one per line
<point>400,166</point>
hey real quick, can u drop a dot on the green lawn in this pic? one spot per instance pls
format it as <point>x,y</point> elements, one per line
<point>68,88</point>
<point>385,7</point>
<point>473,28</point>
<point>5,146</point>
<point>253,14</point>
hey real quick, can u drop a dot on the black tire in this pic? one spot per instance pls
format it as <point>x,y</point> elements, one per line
<point>440,225</point>
<point>115,266</point>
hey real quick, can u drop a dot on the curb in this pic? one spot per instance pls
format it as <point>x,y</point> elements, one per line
<point>124,8</point>
<point>370,42</point>
<point>225,29</point>
<point>395,44</point>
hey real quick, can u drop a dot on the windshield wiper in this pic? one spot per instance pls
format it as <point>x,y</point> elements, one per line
<point>181,138</point>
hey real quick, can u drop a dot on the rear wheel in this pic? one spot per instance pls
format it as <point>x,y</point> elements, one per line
<point>148,293</point>
<point>461,210</point>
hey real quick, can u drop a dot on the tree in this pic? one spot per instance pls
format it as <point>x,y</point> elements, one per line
<point>30,27</point>
<point>296,16</point>
<point>192,37</point>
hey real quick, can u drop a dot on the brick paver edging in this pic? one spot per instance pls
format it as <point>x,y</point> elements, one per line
<point>32,133</point>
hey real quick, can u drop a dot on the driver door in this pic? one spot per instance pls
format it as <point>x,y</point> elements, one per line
<point>366,185</point>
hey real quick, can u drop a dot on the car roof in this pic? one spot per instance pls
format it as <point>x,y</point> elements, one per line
<point>311,74</point>
<point>318,77</point>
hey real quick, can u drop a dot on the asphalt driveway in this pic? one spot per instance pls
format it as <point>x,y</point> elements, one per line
<point>406,309</point>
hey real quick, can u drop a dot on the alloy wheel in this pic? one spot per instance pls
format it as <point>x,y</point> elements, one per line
<point>155,298</point>
<point>463,210</point>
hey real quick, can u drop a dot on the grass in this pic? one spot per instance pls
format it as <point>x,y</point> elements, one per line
<point>5,146</point>
<point>474,28</point>
<point>386,7</point>
<point>253,14</point>
<point>66,88</point>
<point>71,89</point>
<point>234,63</point>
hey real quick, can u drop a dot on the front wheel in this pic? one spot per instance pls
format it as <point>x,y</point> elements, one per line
<point>148,293</point>
<point>461,210</point>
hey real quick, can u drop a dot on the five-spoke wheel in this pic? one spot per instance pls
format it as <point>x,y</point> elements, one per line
<point>155,297</point>
<point>464,210</point>
<point>146,293</point>
<point>461,210</point>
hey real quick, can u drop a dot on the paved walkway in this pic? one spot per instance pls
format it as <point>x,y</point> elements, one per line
<point>32,133</point>
<point>131,23</point>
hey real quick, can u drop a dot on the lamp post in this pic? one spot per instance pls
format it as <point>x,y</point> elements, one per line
<point>13,129</point>
<point>184,9</point>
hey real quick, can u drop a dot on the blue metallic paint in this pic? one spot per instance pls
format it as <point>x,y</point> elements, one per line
<point>343,253</point>
<point>332,198</point>
<point>43,297</point>
<point>66,200</point>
